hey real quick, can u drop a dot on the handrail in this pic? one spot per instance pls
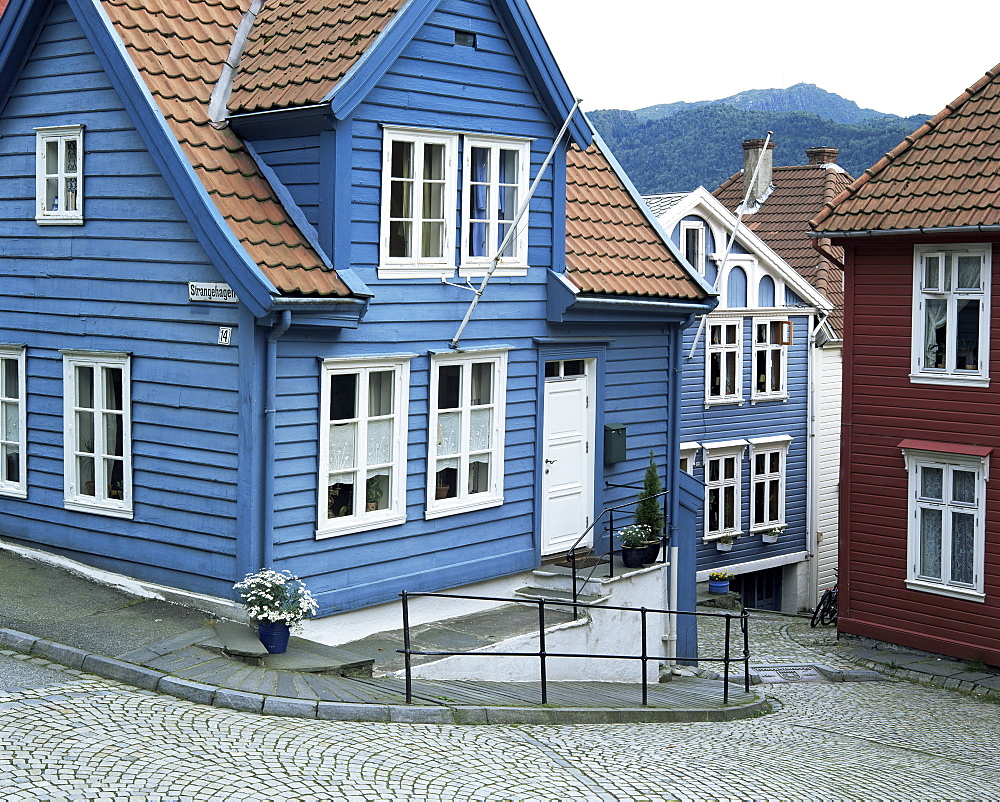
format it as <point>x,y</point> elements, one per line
<point>542,654</point>
<point>611,535</point>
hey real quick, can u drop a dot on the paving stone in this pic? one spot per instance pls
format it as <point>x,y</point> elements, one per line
<point>178,642</point>
<point>238,700</point>
<point>417,714</point>
<point>283,706</point>
<point>239,639</point>
<point>140,676</point>
<point>13,639</point>
<point>342,711</point>
<point>185,689</point>
<point>65,655</point>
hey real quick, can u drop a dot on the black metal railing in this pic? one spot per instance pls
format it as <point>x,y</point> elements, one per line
<point>644,657</point>
<point>610,552</point>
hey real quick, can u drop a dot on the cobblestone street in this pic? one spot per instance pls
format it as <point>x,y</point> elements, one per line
<point>77,737</point>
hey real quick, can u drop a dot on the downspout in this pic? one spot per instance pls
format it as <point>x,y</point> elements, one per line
<point>271,379</point>
<point>821,249</point>
<point>673,461</point>
<point>813,382</point>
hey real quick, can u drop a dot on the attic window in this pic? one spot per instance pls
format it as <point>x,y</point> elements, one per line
<point>465,38</point>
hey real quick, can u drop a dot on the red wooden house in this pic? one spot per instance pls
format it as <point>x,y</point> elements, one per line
<point>920,505</point>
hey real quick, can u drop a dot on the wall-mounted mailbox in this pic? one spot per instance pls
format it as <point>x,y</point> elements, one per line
<point>614,442</point>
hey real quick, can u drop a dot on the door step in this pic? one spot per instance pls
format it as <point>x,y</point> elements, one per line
<point>553,594</point>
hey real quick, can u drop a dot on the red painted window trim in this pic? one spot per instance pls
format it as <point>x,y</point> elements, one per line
<point>946,448</point>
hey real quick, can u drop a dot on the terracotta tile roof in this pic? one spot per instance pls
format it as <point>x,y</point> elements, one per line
<point>782,221</point>
<point>178,47</point>
<point>611,246</point>
<point>298,50</point>
<point>943,175</point>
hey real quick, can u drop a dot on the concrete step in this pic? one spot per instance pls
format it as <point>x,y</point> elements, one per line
<point>458,634</point>
<point>555,594</point>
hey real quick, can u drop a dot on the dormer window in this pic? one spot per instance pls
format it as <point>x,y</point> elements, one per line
<point>59,175</point>
<point>693,244</point>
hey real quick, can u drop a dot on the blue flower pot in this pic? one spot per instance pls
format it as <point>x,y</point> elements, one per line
<point>274,635</point>
<point>718,586</point>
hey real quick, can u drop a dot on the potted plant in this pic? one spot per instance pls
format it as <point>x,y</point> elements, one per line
<point>649,510</point>
<point>718,581</point>
<point>373,492</point>
<point>634,539</point>
<point>725,543</point>
<point>771,535</point>
<point>276,601</point>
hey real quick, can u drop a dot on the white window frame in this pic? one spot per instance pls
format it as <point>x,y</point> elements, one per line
<point>762,482</point>
<point>13,410</point>
<point>916,460</point>
<point>688,456</point>
<point>698,263</point>
<point>360,518</point>
<point>924,291</point>
<point>416,266</point>
<point>102,501</point>
<point>516,264</point>
<point>734,449</point>
<point>779,335</point>
<point>464,501</point>
<point>61,136</point>
<point>723,349</point>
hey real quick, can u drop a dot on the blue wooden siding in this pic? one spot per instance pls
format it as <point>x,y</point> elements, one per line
<point>709,424</point>
<point>119,283</point>
<point>108,286</point>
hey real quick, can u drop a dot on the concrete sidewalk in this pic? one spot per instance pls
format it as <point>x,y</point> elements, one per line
<point>54,614</point>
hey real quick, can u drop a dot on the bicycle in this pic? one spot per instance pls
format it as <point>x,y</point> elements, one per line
<point>826,611</point>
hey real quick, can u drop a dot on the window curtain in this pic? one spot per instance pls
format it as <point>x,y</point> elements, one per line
<point>936,319</point>
<point>480,196</point>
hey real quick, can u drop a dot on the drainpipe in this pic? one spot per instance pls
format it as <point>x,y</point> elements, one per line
<point>812,457</point>
<point>271,378</point>
<point>673,461</point>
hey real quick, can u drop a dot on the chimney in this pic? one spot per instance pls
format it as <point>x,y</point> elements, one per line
<point>822,155</point>
<point>754,151</point>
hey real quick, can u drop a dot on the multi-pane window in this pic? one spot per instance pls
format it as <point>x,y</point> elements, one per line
<point>418,200</point>
<point>722,491</point>
<point>946,531</point>
<point>12,421</point>
<point>770,357</point>
<point>59,175</point>
<point>767,484</point>
<point>951,314</point>
<point>693,244</point>
<point>98,438</point>
<point>495,183</point>
<point>466,432</point>
<point>363,450</point>
<point>725,361</point>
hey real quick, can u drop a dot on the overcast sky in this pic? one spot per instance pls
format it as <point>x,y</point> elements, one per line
<point>897,57</point>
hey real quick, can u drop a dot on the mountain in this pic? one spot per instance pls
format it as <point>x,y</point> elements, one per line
<point>801,97</point>
<point>698,144</point>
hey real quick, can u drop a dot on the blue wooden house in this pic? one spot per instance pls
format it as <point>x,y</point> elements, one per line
<point>748,426</point>
<point>239,242</point>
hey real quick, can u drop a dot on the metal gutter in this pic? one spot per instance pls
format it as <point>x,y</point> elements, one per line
<point>870,232</point>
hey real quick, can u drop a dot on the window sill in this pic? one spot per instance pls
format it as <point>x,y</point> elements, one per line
<point>363,525</point>
<point>946,590</point>
<point>59,221</point>
<point>759,399</point>
<point>462,506</point>
<point>718,536</point>
<point>14,492</point>
<point>97,509</point>
<point>478,271</point>
<point>718,402</point>
<point>412,271</point>
<point>950,379</point>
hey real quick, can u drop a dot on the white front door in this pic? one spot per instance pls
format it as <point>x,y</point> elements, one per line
<point>567,455</point>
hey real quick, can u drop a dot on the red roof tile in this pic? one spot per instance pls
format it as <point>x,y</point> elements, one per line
<point>611,246</point>
<point>782,221</point>
<point>178,47</point>
<point>943,175</point>
<point>298,50</point>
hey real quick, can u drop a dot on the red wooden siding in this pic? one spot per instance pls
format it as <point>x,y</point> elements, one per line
<point>881,408</point>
